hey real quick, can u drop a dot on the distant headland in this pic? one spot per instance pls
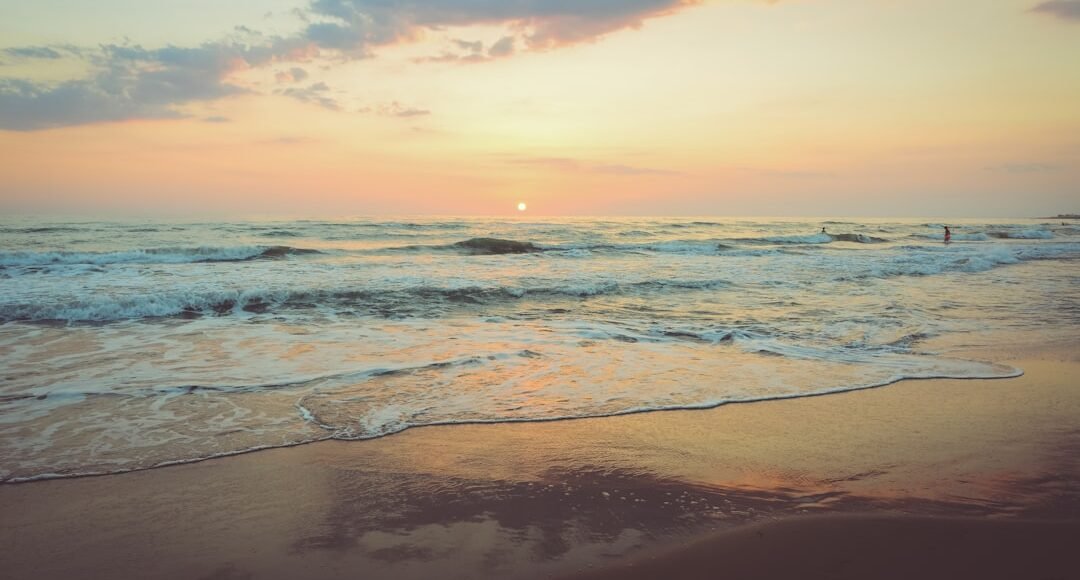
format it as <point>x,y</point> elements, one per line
<point>1063,216</point>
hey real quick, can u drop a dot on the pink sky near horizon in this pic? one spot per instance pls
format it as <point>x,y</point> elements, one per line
<point>651,107</point>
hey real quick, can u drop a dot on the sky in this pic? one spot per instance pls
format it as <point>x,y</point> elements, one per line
<point>965,108</point>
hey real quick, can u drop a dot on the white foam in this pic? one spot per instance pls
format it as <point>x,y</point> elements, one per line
<point>1031,234</point>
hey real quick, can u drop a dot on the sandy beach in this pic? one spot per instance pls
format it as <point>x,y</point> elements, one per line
<point>970,478</point>
<point>471,289</point>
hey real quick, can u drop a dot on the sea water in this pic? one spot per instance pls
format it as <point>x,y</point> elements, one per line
<point>129,345</point>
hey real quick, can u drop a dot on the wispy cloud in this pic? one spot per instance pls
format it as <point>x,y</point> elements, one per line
<point>216,119</point>
<point>132,82</point>
<point>474,52</point>
<point>502,48</point>
<point>358,25</point>
<point>473,46</point>
<point>396,109</point>
<point>293,75</point>
<point>26,106</point>
<point>315,93</point>
<point>44,52</point>
<point>1064,9</point>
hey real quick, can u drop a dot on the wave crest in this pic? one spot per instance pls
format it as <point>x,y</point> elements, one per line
<point>1023,235</point>
<point>818,238</point>
<point>497,246</point>
<point>151,256</point>
<point>857,238</point>
<point>418,300</point>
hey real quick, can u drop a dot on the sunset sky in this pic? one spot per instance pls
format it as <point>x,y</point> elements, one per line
<point>577,107</point>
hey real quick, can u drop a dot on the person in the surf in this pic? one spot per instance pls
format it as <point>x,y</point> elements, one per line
<point>822,230</point>
<point>948,234</point>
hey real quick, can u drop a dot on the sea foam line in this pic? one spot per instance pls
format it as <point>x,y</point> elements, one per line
<point>1012,372</point>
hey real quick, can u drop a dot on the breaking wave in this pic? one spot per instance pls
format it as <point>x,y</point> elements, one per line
<point>857,238</point>
<point>496,246</point>
<point>1023,235</point>
<point>419,300</point>
<point>152,256</point>
<point>819,238</point>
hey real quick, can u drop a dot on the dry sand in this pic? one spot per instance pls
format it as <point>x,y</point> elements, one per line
<point>759,490</point>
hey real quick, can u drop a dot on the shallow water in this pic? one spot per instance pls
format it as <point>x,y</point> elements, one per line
<point>125,346</point>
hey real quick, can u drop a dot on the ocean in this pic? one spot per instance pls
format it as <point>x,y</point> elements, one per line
<point>130,345</point>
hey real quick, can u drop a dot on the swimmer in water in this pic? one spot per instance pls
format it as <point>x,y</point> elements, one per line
<point>948,234</point>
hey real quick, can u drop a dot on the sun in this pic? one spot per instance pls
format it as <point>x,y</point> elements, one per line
<point>522,206</point>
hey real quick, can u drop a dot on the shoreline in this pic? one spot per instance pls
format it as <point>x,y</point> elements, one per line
<point>1016,372</point>
<point>532,500</point>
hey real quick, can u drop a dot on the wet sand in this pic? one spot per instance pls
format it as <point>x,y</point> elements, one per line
<point>880,547</point>
<point>970,478</point>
